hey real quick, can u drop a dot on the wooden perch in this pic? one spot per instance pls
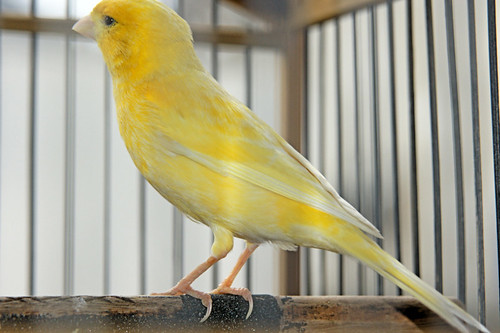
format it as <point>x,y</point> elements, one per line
<point>173,314</point>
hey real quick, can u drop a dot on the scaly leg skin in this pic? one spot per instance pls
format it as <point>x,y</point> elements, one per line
<point>184,286</point>
<point>223,243</point>
<point>225,286</point>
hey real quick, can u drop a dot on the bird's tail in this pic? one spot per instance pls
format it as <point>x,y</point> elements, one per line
<point>382,262</point>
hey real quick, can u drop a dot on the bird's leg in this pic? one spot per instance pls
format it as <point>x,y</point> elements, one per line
<point>223,243</point>
<point>225,286</point>
<point>184,285</point>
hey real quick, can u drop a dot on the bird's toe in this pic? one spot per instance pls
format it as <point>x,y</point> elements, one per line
<point>243,292</point>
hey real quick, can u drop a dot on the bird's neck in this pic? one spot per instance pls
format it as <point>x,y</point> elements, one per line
<point>139,65</point>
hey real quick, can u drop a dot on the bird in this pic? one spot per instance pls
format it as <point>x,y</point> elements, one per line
<point>210,156</point>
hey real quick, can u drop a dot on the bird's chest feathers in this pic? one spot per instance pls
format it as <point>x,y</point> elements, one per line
<point>134,132</point>
<point>142,124</point>
<point>136,122</point>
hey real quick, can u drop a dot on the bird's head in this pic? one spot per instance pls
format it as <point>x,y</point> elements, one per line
<point>138,36</point>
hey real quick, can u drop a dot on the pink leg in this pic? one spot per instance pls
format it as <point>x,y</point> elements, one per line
<point>184,286</point>
<point>225,286</point>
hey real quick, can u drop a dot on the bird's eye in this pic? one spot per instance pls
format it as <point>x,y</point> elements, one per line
<point>109,21</point>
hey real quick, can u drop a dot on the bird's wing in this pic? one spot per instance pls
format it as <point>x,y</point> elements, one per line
<point>353,216</point>
<point>319,194</point>
<point>236,143</point>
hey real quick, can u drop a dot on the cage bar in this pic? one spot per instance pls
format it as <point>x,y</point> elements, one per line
<point>413,145</point>
<point>248,99</point>
<point>394,146</point>
<point>214,52</point>
<point>107,183</point>
<point>478,181</point>
<point>286,32</point>
<point>359,132</point>
<point>340,150</point>
<point>495,117</point>
<point>178,223</point>
<point>435,148</point>
<point>377,188</point>
<point>142,234</point>
<point>322,140</point>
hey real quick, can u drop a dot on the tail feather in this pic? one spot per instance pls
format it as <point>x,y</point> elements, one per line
<point>387,266</point>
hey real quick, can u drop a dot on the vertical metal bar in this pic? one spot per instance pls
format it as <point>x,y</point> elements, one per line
<point>180,8</point>
<point>214,21</point>
<point>178,239</point>
<point>304,254</point>
<point>142,233</point>
<point>377,187</point>
<point>107,181</point>
<point>32,154</point>
<point>69,167</point>
<point>457,145</point>
<point>294,121</point>
<point>321,135</point>
<point>359,132</point>
<point>178,223</point>
<point>143,216</point>
<point>1,124</point>
<point>69,205</point>
<point>495,119</point>
<point>435,148</point>
<point>215,73</point>
<point>248,97</point>
<point>306,258</point>
<point>478,182</point>
<point>339,138</point>
<point>178,227</point>
<point>394,146</point>
<point>413,144</point>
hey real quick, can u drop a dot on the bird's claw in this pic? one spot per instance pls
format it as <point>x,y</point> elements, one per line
<point>208,304</point>
<point>243,292</point>
<point>206,299</point>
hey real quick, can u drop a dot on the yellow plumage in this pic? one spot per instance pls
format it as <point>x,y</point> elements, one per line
<point>210,156</point>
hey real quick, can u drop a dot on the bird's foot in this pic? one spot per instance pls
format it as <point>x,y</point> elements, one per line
<point>205,298</point>
<point>243,292</point>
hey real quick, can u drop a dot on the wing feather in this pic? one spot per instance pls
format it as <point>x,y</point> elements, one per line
<point>337,207</point>
<point>228,138</point>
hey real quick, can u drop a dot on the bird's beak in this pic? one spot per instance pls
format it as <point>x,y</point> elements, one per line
<point>85,27</point>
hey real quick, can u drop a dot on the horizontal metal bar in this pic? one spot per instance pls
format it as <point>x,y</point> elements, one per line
<point>200,34</point>
<point>34,24</point>
<point>300,14</point>
<point>238,37</point>
<point>308,12</point>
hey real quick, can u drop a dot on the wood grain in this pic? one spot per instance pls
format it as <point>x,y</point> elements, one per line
<point>183,313</point>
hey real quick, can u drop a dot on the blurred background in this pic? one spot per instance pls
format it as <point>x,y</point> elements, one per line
<point>394,101</point>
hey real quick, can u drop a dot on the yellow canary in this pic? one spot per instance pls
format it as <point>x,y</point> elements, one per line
<point>210,156</point>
